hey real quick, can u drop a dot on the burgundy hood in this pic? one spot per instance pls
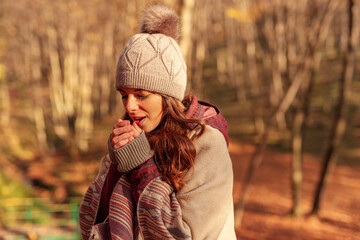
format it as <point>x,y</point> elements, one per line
<point>210,114</point>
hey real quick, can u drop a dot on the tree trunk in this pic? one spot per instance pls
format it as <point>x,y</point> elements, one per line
<point>339,124</point>
<point>279,60</point>
<point>297,146</point>
<point>232,48</point>
<point>106,79</point>
<point>4,99</point>
<point>253,76</point>
<point>199,51</point>
<point>187,13</point>
<point>302,112</point>
<point>58,106</point>
<point>84,116</point>
<point>38,113</point>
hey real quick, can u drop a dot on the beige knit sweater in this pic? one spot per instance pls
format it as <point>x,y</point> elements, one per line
<point>206,201</point>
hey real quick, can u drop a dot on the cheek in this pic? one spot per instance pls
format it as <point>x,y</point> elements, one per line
<point>154,107</point>
<point>158,113</point>
<point>159,107</point>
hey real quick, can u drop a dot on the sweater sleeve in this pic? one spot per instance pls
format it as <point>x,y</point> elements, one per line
<point>206,200</point>
<point>132,154</point>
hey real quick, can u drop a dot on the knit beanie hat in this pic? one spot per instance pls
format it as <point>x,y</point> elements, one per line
<point>152,59</point>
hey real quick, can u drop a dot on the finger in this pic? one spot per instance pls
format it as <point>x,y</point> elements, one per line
<point>131,138</point>
<point>121,144</point>
<point>117,121</point>
<point>135,132</point>
<point>122,123</point>
<point>117,139</point>
<point>137,128</point>
<point>121,130</point>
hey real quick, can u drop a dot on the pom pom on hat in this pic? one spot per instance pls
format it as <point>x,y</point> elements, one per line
<point>160,19</point>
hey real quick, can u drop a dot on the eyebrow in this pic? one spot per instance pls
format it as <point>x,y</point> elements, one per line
<point>136,90</point>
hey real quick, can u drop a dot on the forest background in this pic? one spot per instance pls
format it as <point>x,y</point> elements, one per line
<point>285,74</point>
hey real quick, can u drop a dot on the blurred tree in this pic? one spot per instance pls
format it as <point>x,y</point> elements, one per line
<point>34,67</point>
<point>198,49</point>
<point>339,122</point>
<point>317,37</point>
<point>300,79</point>
<point>4,99</point>
<point>187,15</point>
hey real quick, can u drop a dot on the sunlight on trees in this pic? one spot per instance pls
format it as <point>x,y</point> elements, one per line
<point>279,70</point>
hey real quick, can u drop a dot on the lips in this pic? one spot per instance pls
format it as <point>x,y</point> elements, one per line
<point>138,120</point>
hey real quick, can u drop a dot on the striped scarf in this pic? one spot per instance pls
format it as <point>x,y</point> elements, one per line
<point>157,215</point>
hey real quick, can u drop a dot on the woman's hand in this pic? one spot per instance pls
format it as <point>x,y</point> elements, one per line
<point>123,133</point>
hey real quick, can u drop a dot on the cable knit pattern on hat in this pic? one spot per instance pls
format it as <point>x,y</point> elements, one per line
<point>153,62</point>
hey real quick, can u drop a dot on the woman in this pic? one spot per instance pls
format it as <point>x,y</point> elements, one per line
<point>168,174</point>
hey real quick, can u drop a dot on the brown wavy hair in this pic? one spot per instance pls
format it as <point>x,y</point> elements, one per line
<point>174,150</point>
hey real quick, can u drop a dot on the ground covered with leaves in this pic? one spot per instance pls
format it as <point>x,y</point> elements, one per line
<point>269,203</point>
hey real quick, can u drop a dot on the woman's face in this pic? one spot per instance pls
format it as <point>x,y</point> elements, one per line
<point>145,108</point>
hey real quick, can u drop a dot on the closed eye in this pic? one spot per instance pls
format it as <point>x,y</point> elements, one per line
<point>142,97</point>
<point>137,93</point>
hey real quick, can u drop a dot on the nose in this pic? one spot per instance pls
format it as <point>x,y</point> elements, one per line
<point>131,104</point>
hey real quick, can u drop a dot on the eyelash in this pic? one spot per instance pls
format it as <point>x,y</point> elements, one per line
<point>140,97</point>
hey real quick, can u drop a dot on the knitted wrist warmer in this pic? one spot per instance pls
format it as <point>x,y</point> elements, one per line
<point>132,154</point>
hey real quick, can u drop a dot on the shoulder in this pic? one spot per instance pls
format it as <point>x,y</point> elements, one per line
<point>208,183</point>
<point>212,157</point>
<point>211,139</point>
